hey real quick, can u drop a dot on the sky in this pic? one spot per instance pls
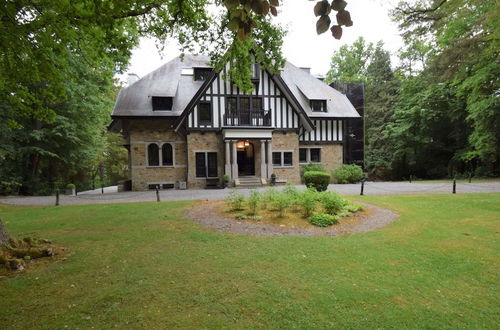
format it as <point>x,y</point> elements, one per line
<point>302,46</point>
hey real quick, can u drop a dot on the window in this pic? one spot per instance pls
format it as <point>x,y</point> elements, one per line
<point>232,104</point>
<point>167,157</point>
<point>202,74</point>
<point>255,71</point>
<point>315,155</point>
<point>318,105</point>
<point>282,158</point>
<point>310,155</point>
<point>302,155</point>
<point>153,155</point>
<point>206,164</point>
<point>205,113</point>
<point>277,158</point>
<point>162,103</point>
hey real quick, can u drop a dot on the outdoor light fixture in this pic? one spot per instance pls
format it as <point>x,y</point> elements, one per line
<point>240,145</point>
<point>247,144</point>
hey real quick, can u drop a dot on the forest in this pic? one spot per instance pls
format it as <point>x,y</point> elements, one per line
<point>433,113</point>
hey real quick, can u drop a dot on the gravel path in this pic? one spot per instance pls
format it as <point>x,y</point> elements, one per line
<point>208,214</point>
<point>371,188</point>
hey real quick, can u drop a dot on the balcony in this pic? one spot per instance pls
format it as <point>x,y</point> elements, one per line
<point>260,118</point>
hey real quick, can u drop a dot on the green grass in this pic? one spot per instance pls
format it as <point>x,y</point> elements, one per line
<point>143,266</point>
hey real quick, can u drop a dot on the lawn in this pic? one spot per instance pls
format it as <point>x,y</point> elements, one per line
<point>142,265</point>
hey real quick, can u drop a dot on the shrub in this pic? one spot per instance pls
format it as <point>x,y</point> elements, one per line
<point>292,192</point>
<point>281,202</point>
<point>268,197</point>
<point>253,201</point>
<point>348,174</point>
<point>332,202</point>
<point>316,179</point>
<point>323,219</point>
<point>308,200</point>
<point>70,186</point>
<point>235,201</point>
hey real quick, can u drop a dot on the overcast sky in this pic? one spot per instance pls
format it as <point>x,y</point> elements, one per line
<point>302,46</point>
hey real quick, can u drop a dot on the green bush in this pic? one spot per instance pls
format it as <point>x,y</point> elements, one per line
<point>70,186</point>
<point>235,201</point>
<point>253,201</point>
<point>281,202</point>
<point>268,197</point>
<point>316,179</point>
<point>323,219</point>
<point>308,200</point>
<point>348,174</point>
<point>332,202</point>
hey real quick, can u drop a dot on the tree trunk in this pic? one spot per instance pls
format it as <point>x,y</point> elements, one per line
<point>4,236</point>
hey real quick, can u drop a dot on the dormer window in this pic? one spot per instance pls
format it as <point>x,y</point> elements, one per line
<point>255,71</point>
<point>202,74</point>
<point>318,105</point>
<point>162,103</point>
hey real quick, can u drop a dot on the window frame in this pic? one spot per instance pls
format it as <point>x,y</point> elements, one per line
<point>282,158</point>
<point>308,155</point>
<point>148,153</point>
<point>206,164</point>
<point>206,73</point>
<point>205,123</point>
<point>160,154</point>
<point>172,155</point>
<point>154,105</point>
<point>323,105</point>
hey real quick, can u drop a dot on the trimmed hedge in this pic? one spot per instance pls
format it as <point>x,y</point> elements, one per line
<point>348,174</point>
<point>317,179</point>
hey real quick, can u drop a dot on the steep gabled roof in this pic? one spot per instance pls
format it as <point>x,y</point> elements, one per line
<point>167,80</point>
<point>306,87</point>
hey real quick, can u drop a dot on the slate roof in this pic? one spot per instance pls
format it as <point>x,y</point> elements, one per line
<point>168,80</point>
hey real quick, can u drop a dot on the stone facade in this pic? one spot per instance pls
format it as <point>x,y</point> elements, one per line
<point>287,141</point>
<point>140,135</point>
<point>203,142</point>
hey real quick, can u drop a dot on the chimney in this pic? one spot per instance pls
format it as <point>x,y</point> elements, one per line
<point>308,70</point>
<point>132,78</point>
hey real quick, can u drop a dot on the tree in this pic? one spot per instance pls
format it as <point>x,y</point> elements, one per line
<point>464,37</point>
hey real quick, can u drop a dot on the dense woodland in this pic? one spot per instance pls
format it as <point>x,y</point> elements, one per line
<point>434,114</point>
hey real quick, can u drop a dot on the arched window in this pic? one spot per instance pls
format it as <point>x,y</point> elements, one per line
<point>153,155</point>
<point>167,158</point>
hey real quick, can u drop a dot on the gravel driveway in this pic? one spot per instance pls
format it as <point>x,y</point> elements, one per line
<point>371,188</point>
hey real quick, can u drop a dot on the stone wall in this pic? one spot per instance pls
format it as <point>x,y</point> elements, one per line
<point>287,141</point>
<point>331,155</point>
<point>142,133</point>
<point>199,142</point>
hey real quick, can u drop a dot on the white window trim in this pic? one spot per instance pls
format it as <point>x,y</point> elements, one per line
<point>308,154</point>
<point>282,159</point>
<point>160,156</point>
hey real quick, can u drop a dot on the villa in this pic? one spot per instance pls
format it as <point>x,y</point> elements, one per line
<point>186,126</point>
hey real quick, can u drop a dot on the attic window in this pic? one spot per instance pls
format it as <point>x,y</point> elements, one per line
<point>162,103</point>
<point>202,74</point>
<point>318,105</point>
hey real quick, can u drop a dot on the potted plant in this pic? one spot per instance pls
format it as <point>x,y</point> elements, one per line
<point>273,179</point>
<point>70,189</point>
<point>225,181</point>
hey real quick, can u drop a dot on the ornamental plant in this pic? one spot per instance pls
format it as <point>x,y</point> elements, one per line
<point>318,180</point>
<point>348,173</point>
<point>235,201</point>
<point>323,219</point>
<point>281,202</point>
<point>308,200</point>
<point>332,202</point>
<point>253,201</point>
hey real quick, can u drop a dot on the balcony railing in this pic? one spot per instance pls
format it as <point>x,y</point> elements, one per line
<point>248,118</point>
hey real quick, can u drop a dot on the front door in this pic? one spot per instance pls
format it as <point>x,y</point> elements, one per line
<point>246,160</point>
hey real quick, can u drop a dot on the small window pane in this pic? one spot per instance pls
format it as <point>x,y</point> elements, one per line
<point>303,155</point>
<point>167,155</point>
<point>153,155</point>
<point>257,104</point>
<point>202,74</point>
<point>277,158</point>
<point>212,164</point>
<point>161,103</point>
<point>315,155</point>
<point>200,165</point>
<point>231,105</point>
<point>205,113</point>
<point>287,158</point>
<point>318,105</point>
